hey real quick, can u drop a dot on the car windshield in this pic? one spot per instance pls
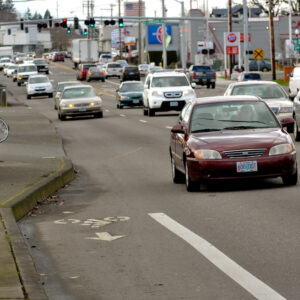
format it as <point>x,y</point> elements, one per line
<point>132,87</point>
<point>264,91</point>
<point>252,76</point>
<point>12,67</point>
<point>171,81</point>
<point>84,92</point>
<point>232,116</point>
<point>144,67</point>
<point>113,66</point>
<point>61,86</point>
<point>41,79</point>
<point>201,68</point>
<point>86,67</point>
<point>93,69</point>
<point>40,62</point>
<point>27,69</point>
<point>5,60</point>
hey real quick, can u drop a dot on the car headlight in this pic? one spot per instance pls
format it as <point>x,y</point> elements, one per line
<point>286,109</point>
<point>188,93</point>
<point>207,154</point>
<point>124,98</point>
<point>281,149</point>
<point>63,104</point>
<point>20,78</point>
<point>157,93</point>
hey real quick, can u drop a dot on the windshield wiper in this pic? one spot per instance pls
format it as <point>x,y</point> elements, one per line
<point>240,121</point>
<point>241,127</point>
<point>206,130</point>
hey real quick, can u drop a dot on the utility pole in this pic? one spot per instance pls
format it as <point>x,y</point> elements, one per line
<point>57,8</point>
<point>272,39</point>
<point>140,34</point>
<point>245,13</point>
<point>164,37</point>
<point>230,30</point>
<point>120,36</point>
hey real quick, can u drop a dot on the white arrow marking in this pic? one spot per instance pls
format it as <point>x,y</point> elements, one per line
<point>60,221</point>
<point>105,236</point>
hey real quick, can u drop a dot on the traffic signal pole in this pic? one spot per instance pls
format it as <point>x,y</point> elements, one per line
<point>120,36</point>
<point>164,37</point>
<point>272,39</point>
<point>245,13</point>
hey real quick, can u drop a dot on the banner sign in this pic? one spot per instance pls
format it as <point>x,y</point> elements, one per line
<point>155,34</point>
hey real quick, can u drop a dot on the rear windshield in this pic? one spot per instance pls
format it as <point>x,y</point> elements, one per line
<point>201,68</point>
<point>38,79</point>
<point>170,81</point>
<point>131,69</point>
<point>85,92</point>
<point>27,69</point>
<point>86,67</point>
<point>106,56</point>
<point>251,76</point>
<point>114,66</point>
<point>40,62</point>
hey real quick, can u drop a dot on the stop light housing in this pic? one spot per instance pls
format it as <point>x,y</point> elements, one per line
<point>68,30</point>
<point>39,27</point>
<point>109,22</point>
<point>87,22</point>
<point>211,51</point>
<point>64,24</point>
<point>76,23</point>
<point>121,23</point>
<point>50,21</point>
<point>92,22</point>
<point>204,51</point>
<point>56,24</point>
<point>22,24</point>
<point>85,32</point>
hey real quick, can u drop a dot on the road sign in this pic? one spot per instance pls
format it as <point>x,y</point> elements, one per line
<point>153,21</point>
<point>258,53</point>
<point>296,42</point>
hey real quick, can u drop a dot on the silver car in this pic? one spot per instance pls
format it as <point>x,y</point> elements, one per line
<point>60,88</point>
<point>78,101</point>
<point>113,70</point>
<point>271,92</point>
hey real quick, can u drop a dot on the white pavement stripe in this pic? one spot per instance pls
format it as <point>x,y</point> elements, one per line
<point>115,83</point>
<point>249,282</point>
<point>143,121</point>
<point>107,110</point>
<point>169,127</point>
<point>123,116</point>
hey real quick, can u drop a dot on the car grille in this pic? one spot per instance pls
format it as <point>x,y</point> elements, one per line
<point>136,97</point>
<point>173,94</point>
<point>81,104</point>
<point>245,152</point>
<point>275,109</point>
<point>40,89</point>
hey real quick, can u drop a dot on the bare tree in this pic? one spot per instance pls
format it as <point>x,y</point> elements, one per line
<point>280,6</point>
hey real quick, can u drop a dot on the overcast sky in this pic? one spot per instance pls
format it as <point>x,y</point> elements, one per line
<point>68,8</point>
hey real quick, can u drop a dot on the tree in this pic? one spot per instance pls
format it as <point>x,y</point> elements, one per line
<point>9,6</point>
<point>47,14</point>
<point>37,16</point>
<point>280,6</point>
<point>28,14</point>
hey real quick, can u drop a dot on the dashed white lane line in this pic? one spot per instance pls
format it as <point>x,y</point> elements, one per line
<point>143,121</point>
<point>112,82</point>
<point>245,279</point>
<point>123,116</point>
<point>107,110</point>
<point>169,127</point>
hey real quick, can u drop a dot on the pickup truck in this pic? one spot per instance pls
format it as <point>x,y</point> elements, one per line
<point>202,75</point>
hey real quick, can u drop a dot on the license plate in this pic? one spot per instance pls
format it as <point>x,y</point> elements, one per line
<point>204,80</point>
<point>136,101</point>
<point>82,109</point>
<point>198,73</point>
<point>246,166</point>
<point>174,103</point>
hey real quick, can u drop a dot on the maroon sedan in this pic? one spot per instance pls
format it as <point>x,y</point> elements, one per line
<point>230,138</point>
<point>58,56</point>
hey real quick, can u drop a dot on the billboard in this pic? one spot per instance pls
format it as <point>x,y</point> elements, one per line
<point>155,33</point>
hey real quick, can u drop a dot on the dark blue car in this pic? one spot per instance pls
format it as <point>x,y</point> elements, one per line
<point>130,93</point>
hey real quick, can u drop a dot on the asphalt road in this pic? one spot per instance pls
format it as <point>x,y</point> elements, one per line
<point>123,230</point>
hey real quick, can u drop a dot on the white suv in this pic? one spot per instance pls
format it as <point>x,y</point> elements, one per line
<point>166,91</point>
<point>294,84</point>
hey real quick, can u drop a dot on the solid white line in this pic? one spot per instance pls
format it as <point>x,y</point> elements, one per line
<point>123,116</point>
<point>249,282</point>
<point>169,127</point>
<point>143,121</point>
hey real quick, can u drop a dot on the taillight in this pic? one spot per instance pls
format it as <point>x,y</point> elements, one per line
<point>215,75</point>
<point>102,73</point>
<point>193,75</point>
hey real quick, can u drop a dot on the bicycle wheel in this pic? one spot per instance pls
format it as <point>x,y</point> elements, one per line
<point>3,131</point>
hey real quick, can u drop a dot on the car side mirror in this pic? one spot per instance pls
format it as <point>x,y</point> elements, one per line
<point>177,129</point>
<point>288,121</point>
<point>290,74</point>
<point>193,85</point>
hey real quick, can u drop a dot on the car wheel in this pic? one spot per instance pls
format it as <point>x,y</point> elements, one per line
<point>50,95</point>
<point>213,85</point>
<point>296,130</point>
<point>62,117</point>
<point>151,112</point>
<point>265,70</point>
<point>191,186</point>
<point>99,115</point>
<point>28,97</point>
<point>290,179</point>
<point>47,72</point>
<point>145,111</point>
<point>177,176</point>
<point>19,83</point>
<point>208,86</point>
<point>55,107</point>
<point>102,79</point>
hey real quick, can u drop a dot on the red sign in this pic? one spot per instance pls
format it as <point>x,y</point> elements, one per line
<point>159,34</point>
<point>232,50</point>
<point>231,37</point>
<point>242,37</point>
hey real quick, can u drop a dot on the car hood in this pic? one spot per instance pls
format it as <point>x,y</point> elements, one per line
<point>279,102</point>
<point>81,100</point>
<point>39,85</point>
<point>239,139</point>
<point>27,73</point>
<point>130,94</point>
<point>173,89</point>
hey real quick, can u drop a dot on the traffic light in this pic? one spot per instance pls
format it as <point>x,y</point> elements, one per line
<point>87,22</point>
<point>85,32</point>
<point>76,23</point>
<point>44,25</point>
<point>9,31</point>
<point>64,24</point>
<point>211,51</point>
<point>204,51</point>
<point>50,21</point>
<point>39,27</point>
<point>56,24</point>
<point>69,30</point>
<point>26,30</point>
<point>109,22</point>
<point>22,24</point>
<point>92,22</point>
<point>121,23</point>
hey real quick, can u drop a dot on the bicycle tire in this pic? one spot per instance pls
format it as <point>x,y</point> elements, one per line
<point>3,131</point>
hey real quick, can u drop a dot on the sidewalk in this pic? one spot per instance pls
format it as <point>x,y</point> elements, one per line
<point>33,165</point>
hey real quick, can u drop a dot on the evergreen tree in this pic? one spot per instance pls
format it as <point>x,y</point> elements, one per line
<point>28,14</point>
<point>47,14</point>
<point>9,6</point>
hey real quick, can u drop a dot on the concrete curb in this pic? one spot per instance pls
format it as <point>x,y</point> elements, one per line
<point>18,207</point>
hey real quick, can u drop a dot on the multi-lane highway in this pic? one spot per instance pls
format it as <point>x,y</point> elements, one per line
<point>123,230</point>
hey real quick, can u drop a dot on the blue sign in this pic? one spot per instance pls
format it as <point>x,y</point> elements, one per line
<point>155,33</point>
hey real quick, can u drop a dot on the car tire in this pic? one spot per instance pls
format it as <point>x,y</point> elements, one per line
<point>296,130</point>
<point>47,72</point>
<point>177,176</point>
<point>50,95</point>
<point>145,111</point>
<point>208,86</point>
<point>99,115</point>
<point>151,112</point>
<point>88,80</point>
<point>289,180</point>
<point>19,83</point>
<point>213,85</point>
<point>28,97</point>
<point>191,186</point>
<point>102,79</point>
<point>265,70</point>
<point>55,107</point>
<point>61,117</point>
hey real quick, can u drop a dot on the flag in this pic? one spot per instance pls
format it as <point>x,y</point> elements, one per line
<point>132,9</point>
